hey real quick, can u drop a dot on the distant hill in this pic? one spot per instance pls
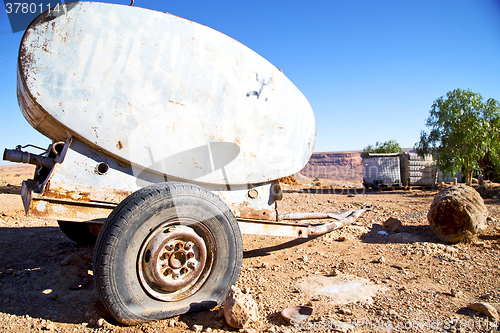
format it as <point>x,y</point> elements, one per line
<point>340,166</point>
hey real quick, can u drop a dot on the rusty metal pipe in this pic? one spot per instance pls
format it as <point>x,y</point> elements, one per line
<point>313,216</point>
<point>325,228</point>
<point>20,156</point>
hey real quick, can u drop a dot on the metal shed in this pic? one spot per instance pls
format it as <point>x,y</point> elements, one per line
<point>382,170</point>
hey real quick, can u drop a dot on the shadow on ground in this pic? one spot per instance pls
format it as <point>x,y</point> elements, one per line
<point>406,234</point>
<point>45,275</point>
<point>10,189</point>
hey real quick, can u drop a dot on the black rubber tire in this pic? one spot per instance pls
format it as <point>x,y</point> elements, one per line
<point>78,232</point>
<point>116,254</point>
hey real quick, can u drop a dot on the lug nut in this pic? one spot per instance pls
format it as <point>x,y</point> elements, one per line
<point>167,272</point>
<point>191,265</point>
<point>175,275</point>
<point>179,245</point>
<point>169,247</point>
<point>188,245</point>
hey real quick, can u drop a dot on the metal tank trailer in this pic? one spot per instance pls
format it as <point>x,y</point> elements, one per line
<point>168,142</point>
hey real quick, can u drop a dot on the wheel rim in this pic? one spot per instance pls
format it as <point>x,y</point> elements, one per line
<point>176,259</point>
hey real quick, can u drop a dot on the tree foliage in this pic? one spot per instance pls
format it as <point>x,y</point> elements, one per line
<point>463,129</point>
<point>390,146</point>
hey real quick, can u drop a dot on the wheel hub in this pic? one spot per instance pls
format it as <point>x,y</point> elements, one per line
<point>173,263</point>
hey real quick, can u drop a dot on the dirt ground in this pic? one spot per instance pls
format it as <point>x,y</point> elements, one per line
<point>46,280</point>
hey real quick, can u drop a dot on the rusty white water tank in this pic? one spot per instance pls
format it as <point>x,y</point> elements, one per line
<point>162,93</point>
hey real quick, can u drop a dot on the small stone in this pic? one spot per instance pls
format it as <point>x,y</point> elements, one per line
<point>346,312</point>
<point>334,272</point>
<point>264,265</point>
<point>197,328</point>
<point>392,225</point>
<point>401,266</point>
<point>381,260</point>
<point>9,271</point>
<point>49,326</point>
<point>456,293</point>
<point>342,239</point>
<point>393,313</point>
<point>171,323</point>
<point>100,322</point>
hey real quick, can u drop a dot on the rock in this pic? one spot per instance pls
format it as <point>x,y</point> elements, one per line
<point>392,225</point>
<point>393,313</point>
<point>457,213</point>
<point>346,312</point>
<point>381,260</point>
<point>197,328</point>
<point>401,266</point>
<point>100,322</point>
<point>456,293</point>
<point>10,213</point>
<point>486,309</point>
<point>49,326</point>
<point>240,310</point>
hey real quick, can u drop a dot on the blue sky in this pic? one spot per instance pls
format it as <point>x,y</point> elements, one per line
<point>369,68</point>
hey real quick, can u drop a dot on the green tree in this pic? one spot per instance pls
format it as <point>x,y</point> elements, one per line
<point>390,146</point>
<point>463,129</point>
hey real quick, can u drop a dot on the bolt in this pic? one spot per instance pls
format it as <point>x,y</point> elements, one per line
<point>188,245</point>
<point>169,247</point>
<point>190,255</point>
<point>184,270</point>
<point>175,275</point>
<point>191,265</point>
<point>179,245</point>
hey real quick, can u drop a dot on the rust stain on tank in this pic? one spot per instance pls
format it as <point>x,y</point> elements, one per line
<point>71,195</point>
<point>119,145</point>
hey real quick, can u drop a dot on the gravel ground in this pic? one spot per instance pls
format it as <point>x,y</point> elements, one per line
<point>46,280</point>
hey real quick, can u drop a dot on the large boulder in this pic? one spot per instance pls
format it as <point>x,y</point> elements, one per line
<point>457,212</point>
<point>240,310</point>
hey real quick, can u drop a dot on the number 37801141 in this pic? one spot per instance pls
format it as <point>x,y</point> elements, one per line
<point>32,8</point>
